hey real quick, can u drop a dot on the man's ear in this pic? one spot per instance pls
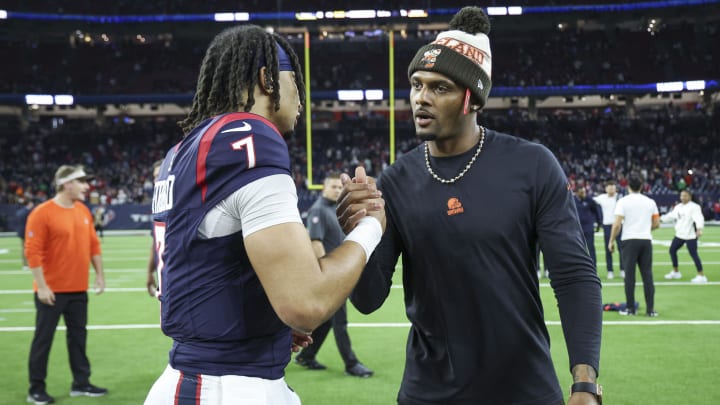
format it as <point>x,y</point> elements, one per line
<point>264,80</point>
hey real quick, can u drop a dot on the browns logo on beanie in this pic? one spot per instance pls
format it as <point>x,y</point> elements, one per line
<point>462,53</point>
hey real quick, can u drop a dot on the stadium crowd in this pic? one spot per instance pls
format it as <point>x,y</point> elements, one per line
<point>674,147</point>
<point>119,153</point>
<point>97,63</point>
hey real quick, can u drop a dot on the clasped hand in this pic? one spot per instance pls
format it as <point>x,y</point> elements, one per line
<point>359,197</point>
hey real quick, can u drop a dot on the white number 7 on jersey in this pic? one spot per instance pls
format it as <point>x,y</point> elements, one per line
<point>247,141</point>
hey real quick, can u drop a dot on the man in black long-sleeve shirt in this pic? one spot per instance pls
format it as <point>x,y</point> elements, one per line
<point>467,210</point>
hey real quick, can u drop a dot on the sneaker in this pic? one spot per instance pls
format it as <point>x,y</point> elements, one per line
<point>673,275</point>
<point>88,391</point>
<point>652,314</point>
<point>626,312</point>
<point>310,364</point>
<point>358,370</point>
<point>699,279</point>
<point>611,275</point>
<point>622,273</point>
<point>40,398</point>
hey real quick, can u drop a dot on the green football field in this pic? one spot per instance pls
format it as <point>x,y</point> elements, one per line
<point>672,359</point>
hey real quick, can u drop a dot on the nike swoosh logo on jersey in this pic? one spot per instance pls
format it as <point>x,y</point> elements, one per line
<point>244,128</point>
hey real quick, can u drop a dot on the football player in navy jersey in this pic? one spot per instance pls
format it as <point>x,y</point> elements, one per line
<point>239,283</point>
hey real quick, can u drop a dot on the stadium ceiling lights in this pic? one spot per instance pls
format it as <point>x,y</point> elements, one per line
<point>360,95</point>
<point>227,17</point>
<point>342,15</point>
<point>692,85</point>
<point>504,10</point>
<point>695,85</point>
<point>49,99</point>
<point>413,13</point>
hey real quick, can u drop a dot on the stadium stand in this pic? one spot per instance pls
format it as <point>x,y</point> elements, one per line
<point>165,63</point>
<point>672,139</point>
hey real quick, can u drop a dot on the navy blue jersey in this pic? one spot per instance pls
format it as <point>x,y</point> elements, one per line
<point>22,216</point>
<point>478,333</point>
<point>589,213</point>
<point>212,303</point>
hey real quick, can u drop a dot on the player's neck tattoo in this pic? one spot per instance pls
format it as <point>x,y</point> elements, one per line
<point>465,170</point>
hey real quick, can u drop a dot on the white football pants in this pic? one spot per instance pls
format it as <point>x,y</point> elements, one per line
<point>174,387</point>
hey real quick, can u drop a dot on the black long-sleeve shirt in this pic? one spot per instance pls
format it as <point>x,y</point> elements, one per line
<point>471,291</point>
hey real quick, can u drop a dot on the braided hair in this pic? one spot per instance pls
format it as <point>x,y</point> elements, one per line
<point>229,73</point>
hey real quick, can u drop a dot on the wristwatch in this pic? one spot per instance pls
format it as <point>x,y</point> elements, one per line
<point>595,389</point>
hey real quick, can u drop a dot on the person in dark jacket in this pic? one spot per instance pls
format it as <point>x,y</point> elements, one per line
<point>590,216</point>
<point>22,216</point>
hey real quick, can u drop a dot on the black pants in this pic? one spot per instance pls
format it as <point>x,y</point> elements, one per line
<point>638,252</point>
<point>608,256</point>
<point>338,322</point>
<point>22,251</point>
<point>677,243</point>
<point>73,308</point>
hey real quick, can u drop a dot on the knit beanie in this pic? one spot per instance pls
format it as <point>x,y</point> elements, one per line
<point>462,53</point>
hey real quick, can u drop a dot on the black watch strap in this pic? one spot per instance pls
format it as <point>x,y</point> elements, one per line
<point>595,389</point>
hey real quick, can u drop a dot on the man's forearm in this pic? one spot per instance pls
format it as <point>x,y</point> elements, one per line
<point>151,262</point>
<point>584,373</point>
<point>39,277</point>
<point>97,265</point>
<point>614,232</point>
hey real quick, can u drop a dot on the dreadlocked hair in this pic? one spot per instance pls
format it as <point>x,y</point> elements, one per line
<point>229,73</point>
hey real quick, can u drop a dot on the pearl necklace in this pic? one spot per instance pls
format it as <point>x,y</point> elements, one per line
<point>467,167</point>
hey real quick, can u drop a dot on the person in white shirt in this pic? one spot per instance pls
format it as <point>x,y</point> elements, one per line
<point>607,203</point>
<point>689,224</point>
<point>637,215</point>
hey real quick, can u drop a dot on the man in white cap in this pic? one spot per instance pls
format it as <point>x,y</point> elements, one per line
<point>60,243</point>
<point>467,210</point>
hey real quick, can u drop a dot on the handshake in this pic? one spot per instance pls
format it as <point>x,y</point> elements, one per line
<point>360,198</point>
